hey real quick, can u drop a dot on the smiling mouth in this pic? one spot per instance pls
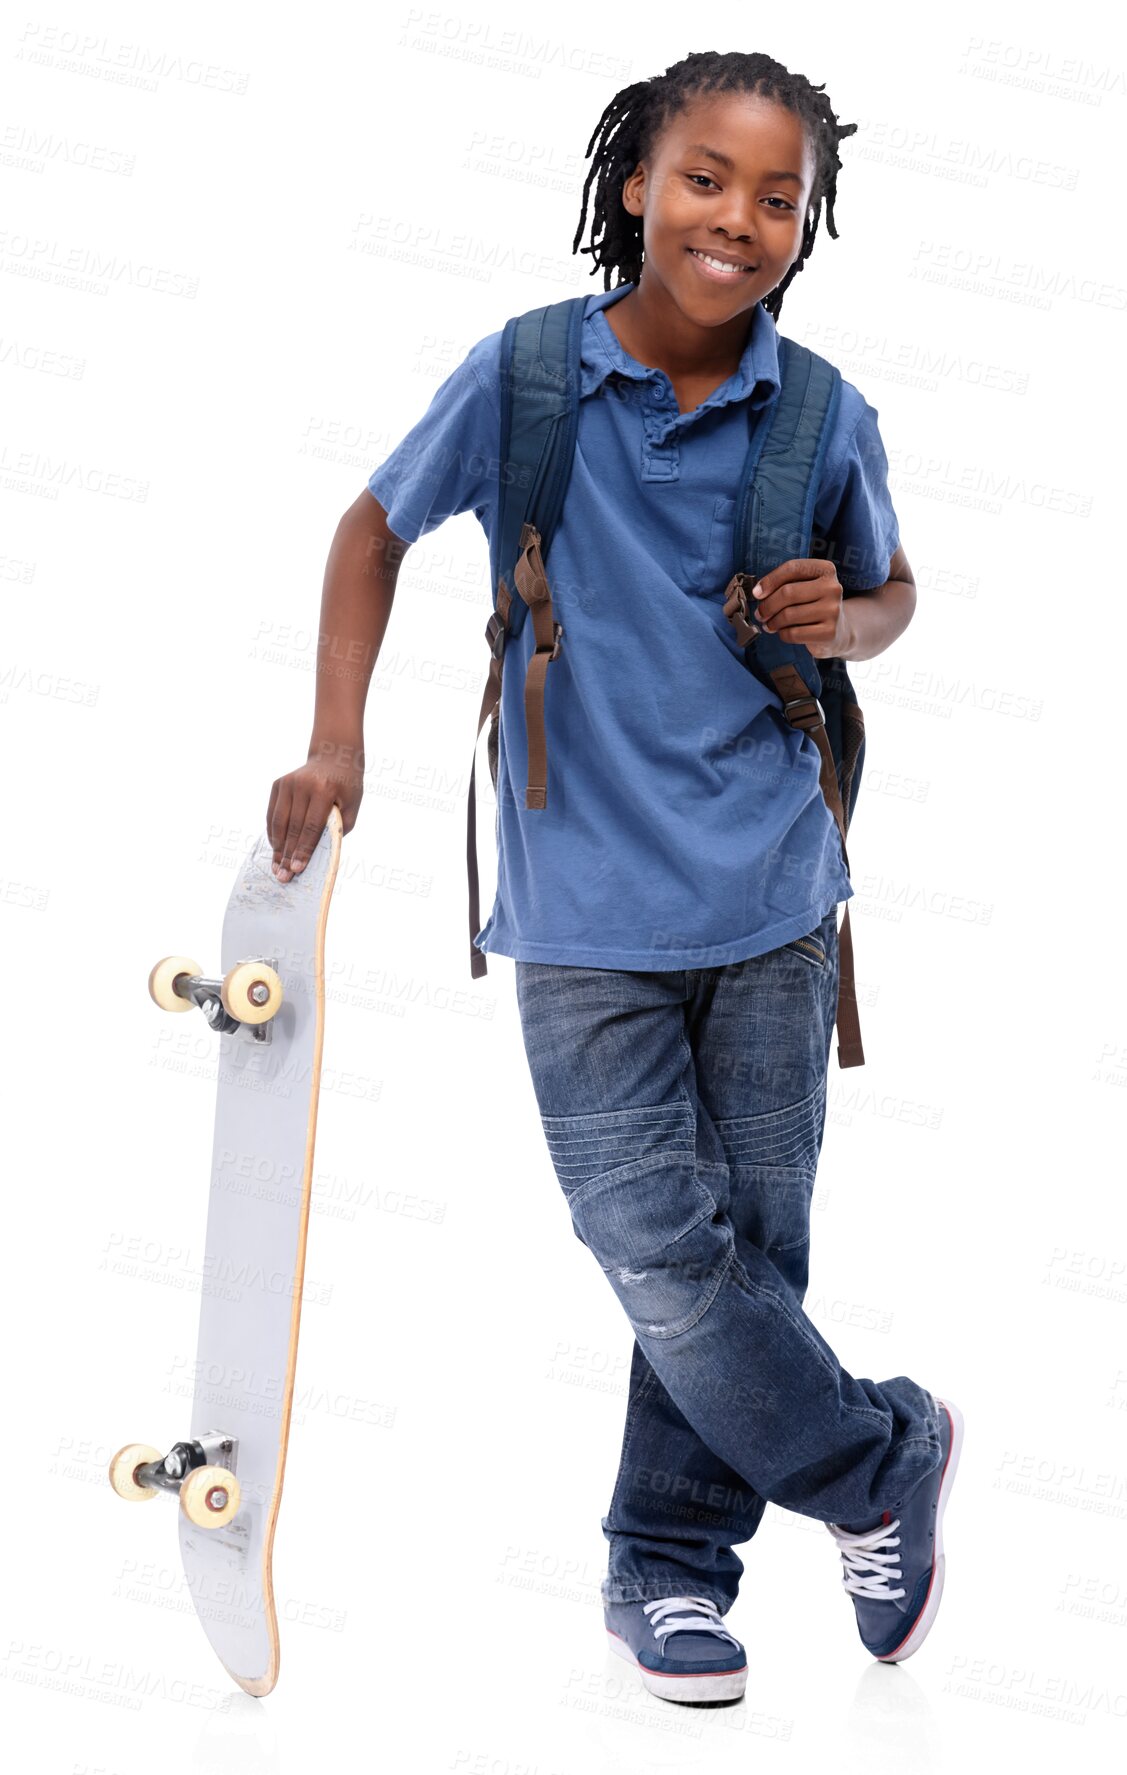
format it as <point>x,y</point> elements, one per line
<point>716,266</point>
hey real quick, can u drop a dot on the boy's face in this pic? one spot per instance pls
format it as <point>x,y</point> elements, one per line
<point>748,211</point>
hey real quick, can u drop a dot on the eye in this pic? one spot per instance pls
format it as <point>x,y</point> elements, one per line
<point>708,181</point>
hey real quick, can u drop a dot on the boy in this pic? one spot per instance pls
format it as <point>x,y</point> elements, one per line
<point>671,910</point>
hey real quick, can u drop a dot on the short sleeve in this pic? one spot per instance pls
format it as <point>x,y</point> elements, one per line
<point>448,462</point>
<point>854,507</point>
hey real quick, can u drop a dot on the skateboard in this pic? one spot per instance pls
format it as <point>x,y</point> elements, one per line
<point>268,1010</point>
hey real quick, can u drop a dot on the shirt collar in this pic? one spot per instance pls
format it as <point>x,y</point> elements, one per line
<point>756,379</point>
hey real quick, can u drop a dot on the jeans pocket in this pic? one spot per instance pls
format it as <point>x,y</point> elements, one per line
<point>811,948</point>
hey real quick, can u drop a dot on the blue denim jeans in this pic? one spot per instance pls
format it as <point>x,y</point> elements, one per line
<point>684,1112</point>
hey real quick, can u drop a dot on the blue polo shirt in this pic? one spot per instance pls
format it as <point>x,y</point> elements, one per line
<point>685,824</point>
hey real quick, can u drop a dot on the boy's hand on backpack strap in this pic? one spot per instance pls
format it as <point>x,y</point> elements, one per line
<point>300,802</point>
<point>801,601</point>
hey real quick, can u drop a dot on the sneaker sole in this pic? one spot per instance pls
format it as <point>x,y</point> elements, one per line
<point>710,1685</point>
<point>922,1626</point>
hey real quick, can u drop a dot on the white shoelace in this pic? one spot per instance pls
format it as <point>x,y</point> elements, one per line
<point>867,1567</point>
<point>685,1623</point>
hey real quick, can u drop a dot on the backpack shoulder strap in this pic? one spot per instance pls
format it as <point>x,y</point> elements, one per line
<point>540,376</point>
<point>774,523</point>
<point>540,370</point>
<point>775,515</point>
<point>775,509</point>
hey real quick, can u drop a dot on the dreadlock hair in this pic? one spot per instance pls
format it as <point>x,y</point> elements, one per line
<point>630,126</point>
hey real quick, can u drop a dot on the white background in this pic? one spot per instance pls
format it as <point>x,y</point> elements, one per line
<point>226,297</point>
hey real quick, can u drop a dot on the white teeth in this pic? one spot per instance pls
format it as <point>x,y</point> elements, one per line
<point>720,264</point>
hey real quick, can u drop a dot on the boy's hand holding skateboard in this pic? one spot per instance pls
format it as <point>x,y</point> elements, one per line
<point>300,802</point>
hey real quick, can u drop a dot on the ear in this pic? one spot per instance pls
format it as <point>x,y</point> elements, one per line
<point>633,190</point>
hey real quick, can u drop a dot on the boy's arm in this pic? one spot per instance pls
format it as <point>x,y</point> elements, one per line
<point>873,620</point>
<point>356,602</point>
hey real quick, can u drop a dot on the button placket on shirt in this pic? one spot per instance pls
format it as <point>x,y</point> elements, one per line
<point>661,450</point>
<point>662,420</point>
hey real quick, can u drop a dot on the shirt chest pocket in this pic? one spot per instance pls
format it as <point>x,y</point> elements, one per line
<point>706,570</point>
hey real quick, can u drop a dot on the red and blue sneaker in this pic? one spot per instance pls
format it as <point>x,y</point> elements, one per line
<point>697,1667</point>
<point>894,1567</point>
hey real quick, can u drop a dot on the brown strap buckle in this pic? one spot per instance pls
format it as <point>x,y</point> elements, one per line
<point>736,608</point>
<point>495,635</point>
<point>812,707</point>
<point>553,652</point>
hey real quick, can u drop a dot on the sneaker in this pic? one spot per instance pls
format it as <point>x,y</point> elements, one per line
<point>698,1667</point>
<point>894,1567</point>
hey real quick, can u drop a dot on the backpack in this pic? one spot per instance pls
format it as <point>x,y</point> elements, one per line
<point>540,371</point>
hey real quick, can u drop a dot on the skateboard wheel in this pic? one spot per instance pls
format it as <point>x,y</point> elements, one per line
<point>123,1469</point>
<point>161,978</point>
<point>209,1496</point>
<point>252,992</point>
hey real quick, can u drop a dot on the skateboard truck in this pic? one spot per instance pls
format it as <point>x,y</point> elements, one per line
<point>202,1472</point>
<point>249,994</point>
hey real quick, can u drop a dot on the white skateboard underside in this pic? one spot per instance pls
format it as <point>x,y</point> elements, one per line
<point>262,1159</point>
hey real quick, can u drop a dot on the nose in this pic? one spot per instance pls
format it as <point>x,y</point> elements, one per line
<point>737,226</point>
<point>748,234</point>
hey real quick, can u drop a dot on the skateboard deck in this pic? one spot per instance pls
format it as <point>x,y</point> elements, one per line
<point>254,1263</point>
